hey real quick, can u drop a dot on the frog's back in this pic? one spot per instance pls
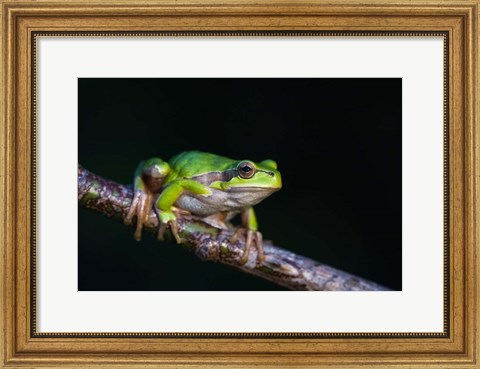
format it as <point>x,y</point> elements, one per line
<point>192,163</point>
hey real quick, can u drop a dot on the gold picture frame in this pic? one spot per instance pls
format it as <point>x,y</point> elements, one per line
<point>24,21</point>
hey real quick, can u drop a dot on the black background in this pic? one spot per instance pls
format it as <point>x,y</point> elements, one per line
<point>337,143</point>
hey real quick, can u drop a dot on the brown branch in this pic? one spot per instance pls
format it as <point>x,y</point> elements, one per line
<point>281,266</point>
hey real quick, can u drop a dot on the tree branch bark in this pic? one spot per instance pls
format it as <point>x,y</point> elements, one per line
<point>282,267</point>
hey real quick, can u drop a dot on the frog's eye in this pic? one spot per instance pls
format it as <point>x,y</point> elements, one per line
<point>246,169</point>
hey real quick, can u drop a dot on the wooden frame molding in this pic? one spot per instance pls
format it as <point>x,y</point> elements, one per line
<point>458,347</point>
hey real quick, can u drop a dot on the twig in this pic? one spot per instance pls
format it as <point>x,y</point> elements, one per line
<point>281,266</point>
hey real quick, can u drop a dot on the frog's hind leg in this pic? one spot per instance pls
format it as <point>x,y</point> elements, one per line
<point>149,177</point>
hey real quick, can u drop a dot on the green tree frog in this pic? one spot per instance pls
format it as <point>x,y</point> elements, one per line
<point>212,187</point>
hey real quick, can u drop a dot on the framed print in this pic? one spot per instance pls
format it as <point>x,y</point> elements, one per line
<point>253,98</point>
<point>236,184</point>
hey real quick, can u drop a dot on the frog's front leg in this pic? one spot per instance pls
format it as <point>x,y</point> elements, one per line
<point>167,199</point>
<point>253,237</point>
<point>149,177</point>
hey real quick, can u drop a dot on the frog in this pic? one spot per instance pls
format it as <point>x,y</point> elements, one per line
<point>212,187</point>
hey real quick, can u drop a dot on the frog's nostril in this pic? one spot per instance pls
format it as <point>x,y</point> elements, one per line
<point>271,174</point>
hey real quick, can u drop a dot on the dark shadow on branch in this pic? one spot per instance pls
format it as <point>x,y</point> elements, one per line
<point>281,266</point>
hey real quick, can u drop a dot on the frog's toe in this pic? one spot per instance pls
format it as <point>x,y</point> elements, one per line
<point>239,233</point>
<point>174,230</point>
<point>132,211</point>
<point>246,251</point>
<point>252,238</point>
<point>259,246</point>
<point>173,225</point>
<point>168,219</point>
<point>161,231</point>
<point>141,205</point>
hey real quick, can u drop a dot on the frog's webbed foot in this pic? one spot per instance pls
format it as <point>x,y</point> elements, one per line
<point>141,205</point>
<point>167,220</point>
<point>251,238</point>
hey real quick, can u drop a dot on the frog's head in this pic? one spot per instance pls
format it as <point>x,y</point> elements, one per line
<point>252,178</point>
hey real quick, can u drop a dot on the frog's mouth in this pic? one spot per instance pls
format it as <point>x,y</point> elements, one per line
<point>253,189</point>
